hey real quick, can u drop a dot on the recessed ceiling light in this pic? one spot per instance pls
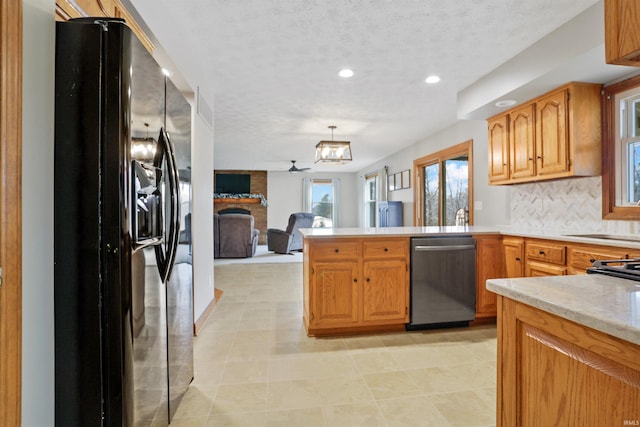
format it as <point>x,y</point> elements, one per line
<point>432,79</point>
<point>506,103</point>
<point>345,73</point>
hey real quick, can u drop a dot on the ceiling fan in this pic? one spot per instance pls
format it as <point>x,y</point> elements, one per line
<point>294,169</point>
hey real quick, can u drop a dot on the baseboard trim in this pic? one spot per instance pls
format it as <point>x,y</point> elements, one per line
<point>200,322</point>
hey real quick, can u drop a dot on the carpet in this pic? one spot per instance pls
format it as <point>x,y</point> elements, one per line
<point>262,256</point>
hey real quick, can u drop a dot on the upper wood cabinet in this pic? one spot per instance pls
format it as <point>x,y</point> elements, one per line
<point>522,142</point>
<point>499,149</point>
<point>556,135</point>
<point>622,32</point>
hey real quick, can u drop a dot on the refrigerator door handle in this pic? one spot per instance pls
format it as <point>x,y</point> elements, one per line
<point>166,255</point>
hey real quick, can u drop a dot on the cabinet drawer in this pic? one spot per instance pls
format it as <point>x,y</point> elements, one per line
<point>385,248</point>
<point>581,258</point>
<point>342,249</point>
<point>546,252</point>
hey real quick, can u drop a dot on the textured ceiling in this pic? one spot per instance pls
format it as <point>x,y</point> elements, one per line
<point>271,67</point>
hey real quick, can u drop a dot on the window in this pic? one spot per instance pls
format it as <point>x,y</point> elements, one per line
<point>443,190</point>
<point>321,198</point>
<point>370,199</point>
<point>621,151</point>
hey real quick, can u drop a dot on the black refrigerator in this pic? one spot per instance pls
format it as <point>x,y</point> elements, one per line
<point>123,273</point>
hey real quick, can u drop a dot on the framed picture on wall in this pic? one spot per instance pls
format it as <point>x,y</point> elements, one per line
<point>406,179</point>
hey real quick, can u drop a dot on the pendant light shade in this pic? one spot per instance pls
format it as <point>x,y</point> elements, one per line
<point>333,151</point>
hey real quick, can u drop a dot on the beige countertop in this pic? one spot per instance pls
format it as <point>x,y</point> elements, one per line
<point>312,233</point>
<point>606,304</point>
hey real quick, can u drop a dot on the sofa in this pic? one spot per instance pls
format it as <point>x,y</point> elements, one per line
<point>285,241</point>
<point>234,236</point>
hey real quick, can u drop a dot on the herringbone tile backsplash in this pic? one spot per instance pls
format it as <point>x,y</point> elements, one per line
<point>568,205</point>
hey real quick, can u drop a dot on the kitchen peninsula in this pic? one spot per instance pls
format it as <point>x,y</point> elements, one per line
<point>357,279</point>
<point>574,341</point>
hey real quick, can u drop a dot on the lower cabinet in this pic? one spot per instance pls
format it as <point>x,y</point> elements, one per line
<point>335,293</point>
<point>489,265</point>
<point>385,296</point>
<point>356,285</point>
<point>554,372</point>
<point>513,256</point>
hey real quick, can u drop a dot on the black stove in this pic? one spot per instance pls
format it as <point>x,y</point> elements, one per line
<point>624,268</point>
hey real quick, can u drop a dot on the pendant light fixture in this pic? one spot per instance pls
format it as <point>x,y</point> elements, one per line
<point>333,151</point>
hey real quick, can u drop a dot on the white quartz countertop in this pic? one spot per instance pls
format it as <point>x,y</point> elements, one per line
<point>632,242</point>
<point>606,304</point>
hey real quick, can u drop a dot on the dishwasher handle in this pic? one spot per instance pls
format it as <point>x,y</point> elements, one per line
<point>443,248</point>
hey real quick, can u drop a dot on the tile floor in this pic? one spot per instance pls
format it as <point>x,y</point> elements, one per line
<point>255,366</point>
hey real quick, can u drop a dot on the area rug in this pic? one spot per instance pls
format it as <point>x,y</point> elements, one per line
<point>262,256</point>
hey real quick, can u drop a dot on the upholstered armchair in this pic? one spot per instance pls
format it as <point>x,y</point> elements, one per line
<point>283,242</point>
<point>234,236</point>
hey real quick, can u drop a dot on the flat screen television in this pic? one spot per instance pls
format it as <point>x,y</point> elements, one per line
<point>234,183</point>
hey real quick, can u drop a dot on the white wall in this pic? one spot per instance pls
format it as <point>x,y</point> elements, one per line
<point>37,214</point>
<point>202,179</point>
<point>284,194</point>
<point>491,203</point>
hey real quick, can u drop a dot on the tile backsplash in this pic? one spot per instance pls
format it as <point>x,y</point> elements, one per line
<point>567,205</point>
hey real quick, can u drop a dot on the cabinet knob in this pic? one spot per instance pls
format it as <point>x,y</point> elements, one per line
<point>541,252</point>
<point>530,159</point>
<point>355,280</point>
<point>337,250</point>
<point>592,260</point>
<point>517,258</point>
<point>386,249</point>
<point>539,157</point>
<point>368,279</point>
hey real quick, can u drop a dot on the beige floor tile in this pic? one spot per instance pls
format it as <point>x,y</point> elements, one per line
<point>309,366</point>
<point>342,390</point>
<point>298,394</point>
<point>195,403</point>
<point>355,414</point>
<point>465,408</point>
<point>374,361</point>
<point>237,419</point>
<point>389,385</point>
<point>412,412</point>
<point>307,417</point>
<point>240,398</point>
<point>243,372</point>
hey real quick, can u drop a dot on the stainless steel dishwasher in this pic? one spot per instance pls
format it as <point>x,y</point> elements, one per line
<point>443,281</point>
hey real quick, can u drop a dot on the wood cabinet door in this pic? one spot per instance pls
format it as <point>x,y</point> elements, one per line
<point>335,299</point>
<point>499,149</point>
<point>521,142</point>
<point>513,257</point>
<point>489,265</point>
<point>385,291</point>
<point>552,137</point>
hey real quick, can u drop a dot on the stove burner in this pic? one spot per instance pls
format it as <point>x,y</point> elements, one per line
<point>625,268</point>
